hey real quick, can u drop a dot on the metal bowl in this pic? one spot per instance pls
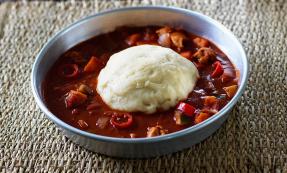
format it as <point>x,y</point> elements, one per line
<point>91,26</point>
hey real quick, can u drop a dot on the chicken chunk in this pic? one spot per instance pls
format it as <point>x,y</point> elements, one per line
<point>74,98</point>
<point>200,42</point>
<point>163,30</point>
<point>205,55</point>
<point>156,131</point>
<point>177,39</point>
<point>164,36</point>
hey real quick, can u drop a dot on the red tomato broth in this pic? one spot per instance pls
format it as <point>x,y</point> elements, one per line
<point>102,47</point>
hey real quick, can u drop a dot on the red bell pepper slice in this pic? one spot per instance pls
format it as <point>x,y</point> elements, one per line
<point>187,109</point>
<point>121,120</point>
<point>218,71</point>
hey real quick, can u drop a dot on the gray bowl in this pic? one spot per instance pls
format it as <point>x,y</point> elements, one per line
<point>88,27</point>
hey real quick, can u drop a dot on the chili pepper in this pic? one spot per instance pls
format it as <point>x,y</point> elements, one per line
<point>121,120</point>
<point>185,108</point>
<point>218,71</point>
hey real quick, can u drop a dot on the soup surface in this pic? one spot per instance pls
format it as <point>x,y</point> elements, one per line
<point>70,86</point>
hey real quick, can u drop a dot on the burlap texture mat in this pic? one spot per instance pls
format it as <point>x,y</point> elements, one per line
<point>254,138</point>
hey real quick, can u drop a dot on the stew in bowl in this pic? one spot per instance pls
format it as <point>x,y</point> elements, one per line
<point>70,87</point>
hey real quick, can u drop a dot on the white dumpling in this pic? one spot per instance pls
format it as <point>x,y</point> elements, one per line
<point>146,78</point>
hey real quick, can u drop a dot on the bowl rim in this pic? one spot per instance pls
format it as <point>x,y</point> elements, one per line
<point>65,126</point>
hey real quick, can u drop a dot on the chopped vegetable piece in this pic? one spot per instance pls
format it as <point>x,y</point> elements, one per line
<point>211,102</point>
<point>201,117</point>
<point>156,131</point>
<point>92,65</point>
<point>201,42</point>
<point>180,118</point>
<point>205,55</point>
<point>69,70</point>
<point>132,39</point>
<point>85,89</point>
<point>218,71</point>
<point>74,98</point>
<point>102,122</point>
<point>231,90</point>
<point>121,120</point>
<point>83,124</point>
<point>186,109</point>
<point>164,40</point>
<point>186,54</point>
<point>177,39</point>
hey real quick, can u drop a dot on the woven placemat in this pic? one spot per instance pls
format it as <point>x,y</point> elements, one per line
<point>254,138</point>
